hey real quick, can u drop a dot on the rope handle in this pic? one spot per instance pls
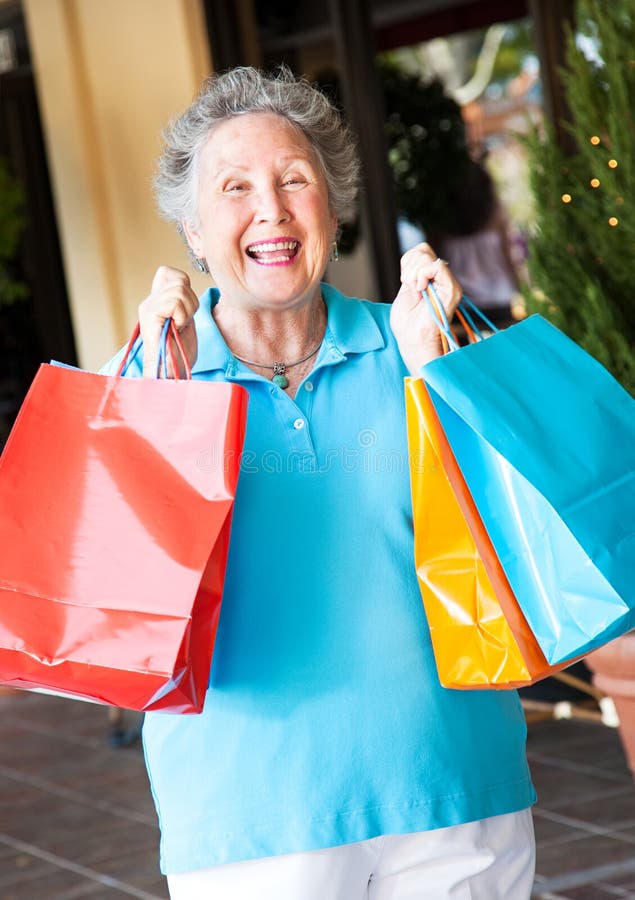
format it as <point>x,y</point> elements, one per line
<point>466,312</point>
<point>166,351</point>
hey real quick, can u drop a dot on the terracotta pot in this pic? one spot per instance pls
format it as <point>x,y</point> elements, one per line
<point>613,668</point>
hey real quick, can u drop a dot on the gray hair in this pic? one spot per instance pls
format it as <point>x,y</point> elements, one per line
<point>249,90</point>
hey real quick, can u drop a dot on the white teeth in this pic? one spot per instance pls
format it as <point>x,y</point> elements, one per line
<point>270,247</point>
<point>275,259</point>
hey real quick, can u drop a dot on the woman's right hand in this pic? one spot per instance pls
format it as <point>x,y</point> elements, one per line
<point>171,297</point>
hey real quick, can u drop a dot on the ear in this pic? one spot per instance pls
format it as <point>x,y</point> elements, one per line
<point>193,238</point>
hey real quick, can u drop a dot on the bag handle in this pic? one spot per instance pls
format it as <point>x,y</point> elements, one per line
<point>166,351</point>
<point>466,312</point>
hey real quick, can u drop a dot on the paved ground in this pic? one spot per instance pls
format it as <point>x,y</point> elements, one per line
<point>76,818</point>
<point>585,816</point>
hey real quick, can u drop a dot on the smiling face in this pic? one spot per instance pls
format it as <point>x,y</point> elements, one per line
<point>265,227</point>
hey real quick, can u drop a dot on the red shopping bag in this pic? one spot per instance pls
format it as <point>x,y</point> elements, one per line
<point>114,536</point>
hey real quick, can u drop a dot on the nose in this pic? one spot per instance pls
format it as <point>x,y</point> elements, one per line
<point>271,205</point>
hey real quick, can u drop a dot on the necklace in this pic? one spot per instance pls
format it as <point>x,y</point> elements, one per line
<point>279,368</point>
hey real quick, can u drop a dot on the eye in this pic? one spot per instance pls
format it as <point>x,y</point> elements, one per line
<point>235,187</point>
<point>294,181</point>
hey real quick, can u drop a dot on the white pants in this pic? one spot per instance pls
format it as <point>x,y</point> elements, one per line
<point>488,860</point>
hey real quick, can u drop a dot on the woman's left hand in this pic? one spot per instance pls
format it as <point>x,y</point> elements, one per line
<point>410,319</point>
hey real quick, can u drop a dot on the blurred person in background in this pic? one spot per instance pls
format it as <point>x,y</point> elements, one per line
<point>479,247</point>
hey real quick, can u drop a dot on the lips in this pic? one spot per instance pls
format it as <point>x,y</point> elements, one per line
<point>272,252</point>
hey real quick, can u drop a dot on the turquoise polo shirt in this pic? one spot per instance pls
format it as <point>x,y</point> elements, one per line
<point>325,722</point>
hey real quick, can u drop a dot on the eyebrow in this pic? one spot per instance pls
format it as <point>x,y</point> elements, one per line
<point>226,168</point>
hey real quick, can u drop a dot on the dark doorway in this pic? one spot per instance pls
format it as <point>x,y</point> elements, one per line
<point>37,327</point>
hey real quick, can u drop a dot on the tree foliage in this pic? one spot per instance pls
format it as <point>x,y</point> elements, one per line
<point>581,257</point>
<point>427,147</point>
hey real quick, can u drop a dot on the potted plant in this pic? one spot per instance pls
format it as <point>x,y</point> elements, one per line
<point>613,668</point>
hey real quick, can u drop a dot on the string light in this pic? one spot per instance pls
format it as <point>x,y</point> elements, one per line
<point>612,164</point>
<point>613,221</point>
<point>595,140</point>
<point>595,182</point>
<point>566,198</point>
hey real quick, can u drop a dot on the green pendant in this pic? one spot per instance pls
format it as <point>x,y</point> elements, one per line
<point>281,381</point>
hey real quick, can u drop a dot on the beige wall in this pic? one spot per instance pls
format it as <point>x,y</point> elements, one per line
<point>109,74</point>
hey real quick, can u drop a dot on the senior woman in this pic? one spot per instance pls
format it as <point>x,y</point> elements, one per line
<point>328,763</point>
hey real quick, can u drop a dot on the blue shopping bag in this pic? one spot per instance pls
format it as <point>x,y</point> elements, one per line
<point>545,438</point>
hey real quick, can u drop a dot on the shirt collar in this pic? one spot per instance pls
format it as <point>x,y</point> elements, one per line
<point>350,325</point>
<point>350,328</point>
<point>213,352</point>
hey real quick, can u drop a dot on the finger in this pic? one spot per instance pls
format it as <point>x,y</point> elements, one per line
<point>418,266</point>
<point>166,275</point>
<point>423,247</point>
<point>448,288</point>
<point>182,312</point>
<point>174,301</point>
<point>171,298</point>
<point>419,272</point>
<point>420,252</point>
<point>189,344</point>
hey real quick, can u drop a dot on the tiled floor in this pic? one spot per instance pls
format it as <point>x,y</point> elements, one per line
<point>76,818</point>
<point>585,816</point>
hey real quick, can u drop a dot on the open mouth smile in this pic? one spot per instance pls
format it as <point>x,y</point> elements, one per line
<point>271,253</point>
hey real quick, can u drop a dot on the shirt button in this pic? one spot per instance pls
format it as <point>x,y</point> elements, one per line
<point>308,386</point>
<point>298,424</point>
